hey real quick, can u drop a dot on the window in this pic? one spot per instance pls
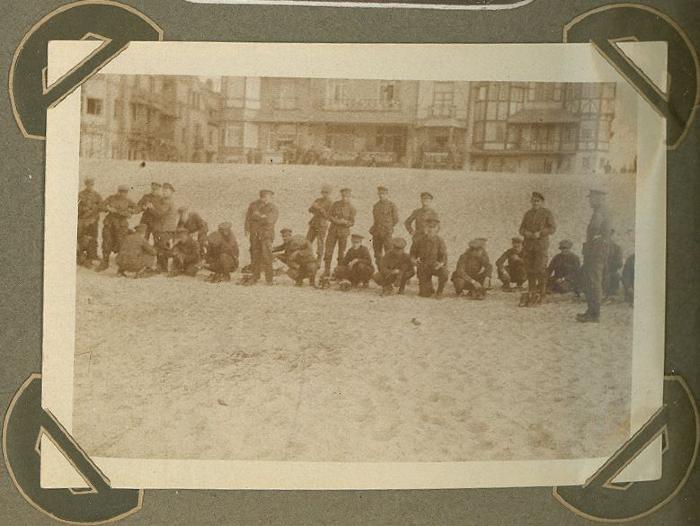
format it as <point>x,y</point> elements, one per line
<point>233,135</point>
<point>479,132</point>
<point>503,92</point>
<point>443,94</point>
<point>502,111</point>
<point>558,92</point>
<point>587,131</point>
<point>481,93</point>
<point>118,108</point>
<point>336,90</point>
<point>495,132</point>
<point>94,106</point>
<point>517,94</point>
<point>388,92</point>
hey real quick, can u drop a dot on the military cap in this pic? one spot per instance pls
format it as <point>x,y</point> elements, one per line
<point>346,191</point>
<point>326,189</point>
<point>155,184</point>
<point>432,221</point>
<point>286,231</point>
<point>538,195</point>
<point>123,188</point>
<point>398,242</point>
<point>426,194</point>
<point>266,192</point>
<point>141,227</point>
<point>479,242</point>
<point>89,180</point>
<point>382,189</point>
<point>225,226</point>
<point>516,239</point>
<point>596,191</point>
<point>168,185</point>
<point>357,236</point>
<point>565,243</point>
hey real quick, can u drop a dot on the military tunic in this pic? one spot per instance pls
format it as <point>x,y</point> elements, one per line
<point>115,226</point>
<point>415,223</point>
<point>342,218</point>
<point>535,247</point>
<point>511,267</point>
<point>385,216</point>
<point>472,265</point>
<point>563,273</point>
<point>194,224</point>
<point>89,204</point>
<point>135,254</point>
<point>222,253</point>
<point>186,256</point>
<point>394,260</point>
<point>318,225</point>
<point>361,271</point>
<point>165,218</point>
<point>147,217</point>
<point>595,254</point>
<point>260,222</point>
<point>430,252</point>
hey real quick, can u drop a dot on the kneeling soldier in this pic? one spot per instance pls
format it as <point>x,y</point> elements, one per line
<point>430,254</point>
<point>563,272</point>
<point>185,252</point>
<point>302,262</point>
<point>222,253</point>
<point>283,250</point>
<point>356,267</point>
<point>396,267</point>
<point>473,270</point>
<point>511,267</point>
<point>194,224</point>
<point>135,254</point>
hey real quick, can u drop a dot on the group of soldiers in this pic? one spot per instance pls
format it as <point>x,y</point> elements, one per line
<point>182,245</point>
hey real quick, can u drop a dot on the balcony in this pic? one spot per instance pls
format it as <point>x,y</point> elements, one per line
<point>442,115</point>
<point>360,105</point>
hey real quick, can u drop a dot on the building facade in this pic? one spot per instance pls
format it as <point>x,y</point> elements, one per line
<point>489,126</point>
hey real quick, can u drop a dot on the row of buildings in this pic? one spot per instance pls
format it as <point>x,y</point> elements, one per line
<point>494,126</point>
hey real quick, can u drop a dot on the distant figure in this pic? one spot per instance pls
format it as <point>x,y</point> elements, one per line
<point>385,217</point>
<point>563,272</point>
<point>595,255</point>
<point>613,267</point>
<point>165,218</point>
<point>186,254</point>
<point>511,267</point>
<point>260,227</point>
<point>147,217</point>
<point>473,271</point>
<point>342,217</point>
<point>301,262</point>
<point>395,268</point>
<point>136,254</point>
<point>415,223</point>
<point>115,226</point>
<point>195,226</point>
<point>628,279</point>
<point>430,254</point>
<point>222,253</point>
<point>318,226</point>
<point>536,227</point>
<point>356,267</point>
<point>89,205</point>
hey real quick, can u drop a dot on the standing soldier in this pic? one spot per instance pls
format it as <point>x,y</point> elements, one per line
<point>89,203</point>
<point>415,224</point>
<point>318,226</point>
<point>536,227</point>
<point>260,226</point>
<point>510,266</point>
<point>473,270</point>
<point>342,217</point>
<point>564,270</point>
<point>186,254</point>
<point>385,216</point>
<point>595,254</point>
<point>115,226</point>
<point>164,225</point>
<point>147,217</point>
<point>430,254</point>
<point>396,267</point>
<point>135,254</point>
<point>356,267</point>
<point>194,224</point>
<point>222,253</point>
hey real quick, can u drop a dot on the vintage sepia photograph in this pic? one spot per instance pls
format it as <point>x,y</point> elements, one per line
<point>338,269</point>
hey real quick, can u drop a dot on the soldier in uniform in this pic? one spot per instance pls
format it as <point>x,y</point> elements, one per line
<point>511,267</point>
<point>356,267</point>
<point>385,216</point>
<point>194,224</point>
<point>342,217</point>
<point>260,222</point>
<point>415,223</point>
<point>284,249</point>
<point>222,253</point>
<point>186,254</point>
<point>164,225</point>
<point>613,266</point>
<point>301,261</point>
<point>396,267</point>
<point>564,270</point>
<point>89,205</point>
<point>115,226</point>
<point>318,226</point>
<point>430,254</point>
<point>536,227</point>
<point>595,254</point>
<point>147,217</point>
<point>473,271</point>
<point>135,254</point>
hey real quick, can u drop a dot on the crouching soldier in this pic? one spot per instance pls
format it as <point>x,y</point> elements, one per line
<point>194,224</point>
<point>136,254</point>
<point>511,267</point>
<point>430,254</point>
<point>356,267</point>
<point>282,251</point>
<point>473,271</point>
<point>395,268</point>
<point>563,272</point>
<point>222,253</point>
<point>302,261</point>
<point>185,253</point>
